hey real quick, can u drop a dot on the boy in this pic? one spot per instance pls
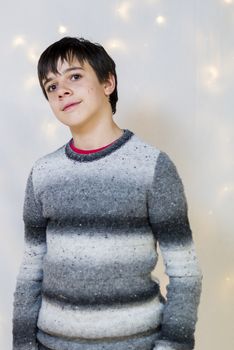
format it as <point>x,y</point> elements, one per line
<point>94,211</point>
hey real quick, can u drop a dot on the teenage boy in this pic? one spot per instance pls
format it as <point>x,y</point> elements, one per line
<point>94,212</point>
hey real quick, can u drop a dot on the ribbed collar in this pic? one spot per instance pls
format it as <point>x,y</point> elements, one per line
<point>70,153</point>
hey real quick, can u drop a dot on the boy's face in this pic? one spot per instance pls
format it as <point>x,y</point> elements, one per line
<point>78,86</point>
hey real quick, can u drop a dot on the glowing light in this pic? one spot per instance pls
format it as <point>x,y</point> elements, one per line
<point>160,20</point>
<point>123,10</point>
<point>30,82</point>
<point>115,44</point>
<point>228,1</point>
<point>226,189</point>
<point>210,74</point>
<point>228,279</point>
<point>18,41</point>
<point>62,29</point>
<point>32,55</point>
<point>210,212</point>
<point>213,71</point>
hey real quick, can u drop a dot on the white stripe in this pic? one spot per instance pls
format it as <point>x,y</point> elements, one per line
<point>122,248</point>
<point>31,264</point>
<point>105,322</point>
<point>180,260</point>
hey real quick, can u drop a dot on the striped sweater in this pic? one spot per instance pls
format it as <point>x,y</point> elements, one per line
<point>92,225</point>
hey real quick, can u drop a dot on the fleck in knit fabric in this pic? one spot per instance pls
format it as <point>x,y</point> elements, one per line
<point>93,223</point>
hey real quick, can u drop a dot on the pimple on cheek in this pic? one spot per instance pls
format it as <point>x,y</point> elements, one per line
<point>90,90</point>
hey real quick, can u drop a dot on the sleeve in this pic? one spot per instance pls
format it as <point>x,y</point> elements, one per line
<point>168,217</point>
<point>27,295</point>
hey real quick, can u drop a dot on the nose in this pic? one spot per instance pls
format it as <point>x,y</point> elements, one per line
<point>63,91</point>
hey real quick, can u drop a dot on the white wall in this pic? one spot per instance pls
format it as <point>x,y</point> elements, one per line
<point>175,66</point>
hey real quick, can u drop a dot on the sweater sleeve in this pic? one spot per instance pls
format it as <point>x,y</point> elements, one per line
<point>27,295</point>
<point>168,216</point>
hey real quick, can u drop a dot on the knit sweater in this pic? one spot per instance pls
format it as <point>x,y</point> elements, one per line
<point>92,227</point>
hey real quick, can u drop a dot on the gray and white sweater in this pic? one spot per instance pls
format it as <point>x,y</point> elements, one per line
<point>92,225</point>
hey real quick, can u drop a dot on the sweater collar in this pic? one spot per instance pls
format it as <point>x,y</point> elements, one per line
<point>71,154</point>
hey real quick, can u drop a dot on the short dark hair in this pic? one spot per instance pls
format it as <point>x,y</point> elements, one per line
<point>84,50</point>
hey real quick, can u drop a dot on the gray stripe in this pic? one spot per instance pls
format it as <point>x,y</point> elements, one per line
<point>78,292</point>
<point>100,154</point>
<point>135,342</point>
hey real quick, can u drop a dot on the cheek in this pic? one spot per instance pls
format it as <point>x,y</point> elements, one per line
<point>53,105</point>
<point>55,110</point>
<point>95,94</point>
<point>91,91</point>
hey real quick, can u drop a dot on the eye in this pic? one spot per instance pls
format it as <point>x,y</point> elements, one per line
<point>76,76</point>
<point>51,87</point>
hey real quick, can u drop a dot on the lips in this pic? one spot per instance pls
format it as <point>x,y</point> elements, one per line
<point>67,106</point>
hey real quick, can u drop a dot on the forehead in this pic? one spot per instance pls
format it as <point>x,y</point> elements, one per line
<point>73,62</point>
<point>63,66</point>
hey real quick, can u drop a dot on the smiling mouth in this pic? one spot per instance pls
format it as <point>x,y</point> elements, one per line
<point>71,106</point>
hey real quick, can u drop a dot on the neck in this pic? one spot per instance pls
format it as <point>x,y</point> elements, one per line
<point>97,136</point>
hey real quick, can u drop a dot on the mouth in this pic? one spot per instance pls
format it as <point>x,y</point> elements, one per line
<point>70,106</point>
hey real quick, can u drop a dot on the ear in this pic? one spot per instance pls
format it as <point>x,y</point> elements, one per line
<point>109,85</point>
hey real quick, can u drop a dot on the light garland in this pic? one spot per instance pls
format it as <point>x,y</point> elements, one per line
<point>123,10</point>
<point>62,29</point>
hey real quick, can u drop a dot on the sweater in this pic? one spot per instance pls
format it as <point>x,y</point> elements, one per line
<point>93,224</point>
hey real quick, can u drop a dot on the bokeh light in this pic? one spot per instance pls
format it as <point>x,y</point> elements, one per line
<point>18,41</point>
<point>160,20</point>
<point>32,54</point>
<point>62,29</point>
<point>123,10</point>
<point>115,44</point>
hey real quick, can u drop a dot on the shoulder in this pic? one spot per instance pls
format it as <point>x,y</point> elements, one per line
<point>165,168</point>
<point>142,147</point>
<point>47,166</point>
<point>49,159</point>
<point>161,157</point>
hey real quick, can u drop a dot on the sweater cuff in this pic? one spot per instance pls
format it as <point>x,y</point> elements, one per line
<point>167,345</point>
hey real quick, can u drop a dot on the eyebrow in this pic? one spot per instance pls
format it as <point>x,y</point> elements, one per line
<point>65,71</point>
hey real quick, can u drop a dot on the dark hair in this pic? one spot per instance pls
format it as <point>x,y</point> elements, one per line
<point>84,50</point>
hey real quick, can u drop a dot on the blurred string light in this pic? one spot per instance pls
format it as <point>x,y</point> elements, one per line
<point>228,1</point>
<point>210,76</point>
<point>32,55</point>
<point>62,29</point>
<point>229,280</point>
<point>226,189</point>
<point>160,20</point>
<point>116,44</point>
<point>31,52</point>
<point>123,10</point>
<point>18,41</point>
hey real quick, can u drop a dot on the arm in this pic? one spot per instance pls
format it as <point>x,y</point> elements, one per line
<point>27,295</point>
<point>167,207</point>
